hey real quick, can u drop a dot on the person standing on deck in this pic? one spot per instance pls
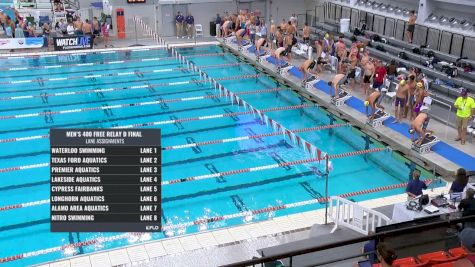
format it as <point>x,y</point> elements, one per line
<point>179,25</point>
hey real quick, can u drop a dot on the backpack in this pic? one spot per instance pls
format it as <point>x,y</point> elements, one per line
<point>416,50</point>
<point>358,32</point>
<point>353,38</point>
<point>402,55</point>
<point>467,68</point>
<point>430,53</point>
<point>450,71</point>
<point>376,38</point>
<point>380,48</point>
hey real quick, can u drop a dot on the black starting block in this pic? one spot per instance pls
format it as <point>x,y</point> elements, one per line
<point>379,117</point>
<point>310,82</point>
<point>341,99</point>
<point>426,145</point>
<point>284,69</point>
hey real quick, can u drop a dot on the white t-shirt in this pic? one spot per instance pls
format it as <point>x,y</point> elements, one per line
<point>70,29</point>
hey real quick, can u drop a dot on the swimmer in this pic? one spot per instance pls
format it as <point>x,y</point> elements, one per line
<point>307,66</point>
<point>227,26</point>
<point>402,95</point>
<point>280,52</point>
<point>374,101</point>
<point>259,44</point>
<point>335,84</point>
<point>419,125</point>
<point>240,34</point>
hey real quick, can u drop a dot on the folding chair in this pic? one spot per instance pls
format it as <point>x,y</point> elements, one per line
<point>198,30</point>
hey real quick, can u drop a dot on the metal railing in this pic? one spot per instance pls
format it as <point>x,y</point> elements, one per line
<point>352,215</point>
<point>390,233</point>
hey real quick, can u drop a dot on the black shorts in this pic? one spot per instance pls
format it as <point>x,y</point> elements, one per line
<point>352,74</point>
<point>312,65</point>
<point>367,79</point>
<point>306,39</point>
<point>410,28</point>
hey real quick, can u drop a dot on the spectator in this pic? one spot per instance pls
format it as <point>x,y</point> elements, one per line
<point>190,25</point>
<point>19,32</point>
<point>218,23</point>
<point>467,205</point>
<point>411,26</point>
<point>379,75</point>
<point>87,28</point>
<point>252,33</point>
<point>273,30</point>
<point>385,254</point>
<point>461,180</point>
<point>46,30</point>
<point>306,34</point>
<point>392,70</point>
<point>70,29</point>
<point>179,25</point>
<point>105,34</point>
<point>9,28</point>
<point>263,29</point>
<point>465,106</point>
<point>31,29</point>
<point>415,186</point>
<point>78,26</point>
<point>369,248</point>
<point>96,27</point>
<point>467,241</point>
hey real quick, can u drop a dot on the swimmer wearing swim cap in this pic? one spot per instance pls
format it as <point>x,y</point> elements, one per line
<point>307,66</point>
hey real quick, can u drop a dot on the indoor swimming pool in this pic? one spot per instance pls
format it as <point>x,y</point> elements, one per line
<point>151,88</point>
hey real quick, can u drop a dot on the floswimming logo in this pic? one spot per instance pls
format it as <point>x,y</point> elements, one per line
<point>4,42</point>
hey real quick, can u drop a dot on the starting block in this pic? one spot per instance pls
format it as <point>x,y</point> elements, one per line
<point>262,58</point>
<point>426,145</point>
<point>379,117</point>
<point>230,39</point>
<point>310,82</point>
<point>341,99</point>
<point>284,70</point>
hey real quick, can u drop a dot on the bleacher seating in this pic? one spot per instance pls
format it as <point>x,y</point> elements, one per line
<point>433,259</point>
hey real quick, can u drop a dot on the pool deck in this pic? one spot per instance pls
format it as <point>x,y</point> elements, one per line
<point>394,139</point>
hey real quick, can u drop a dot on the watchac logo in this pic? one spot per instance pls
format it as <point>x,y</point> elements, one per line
<point>77,42</point>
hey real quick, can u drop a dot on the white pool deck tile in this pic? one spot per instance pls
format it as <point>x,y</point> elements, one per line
<point>190,243</point>
<point>100,259</point>
<point>119,257</point>
<point>239,233</point>
<point>61,264</point>
<point>223,236</point>
<point>172,246</point>
<point>137,253</point>
<point>81,262</point>
<point>255,230</point>
<point>155,249</point>
<point>206,240</point>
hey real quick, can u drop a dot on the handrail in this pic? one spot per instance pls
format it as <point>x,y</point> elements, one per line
<point>411,229</point>
<point>352,215</point>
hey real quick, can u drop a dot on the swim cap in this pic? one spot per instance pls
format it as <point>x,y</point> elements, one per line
<point>419,84</point>
<point>402,82</point>
<point>327,35</point>
<point>366,103</point>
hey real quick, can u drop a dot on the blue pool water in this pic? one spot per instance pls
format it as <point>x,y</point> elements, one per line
<point>134,81</point>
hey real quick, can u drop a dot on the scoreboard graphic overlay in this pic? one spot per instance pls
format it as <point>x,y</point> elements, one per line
<point>105,180</point>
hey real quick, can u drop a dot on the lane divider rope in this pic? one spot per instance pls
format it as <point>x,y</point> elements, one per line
<point>68,111</point>
<point>86,64</point>
<point>276,126</point>
<point>102,90</point>
<point>268,167</point>
<point>211,142</point>
<point>199,222</point>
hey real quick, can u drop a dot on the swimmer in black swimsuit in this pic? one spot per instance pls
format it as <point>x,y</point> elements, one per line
<point>307,66</point>
<point>259,44</point>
